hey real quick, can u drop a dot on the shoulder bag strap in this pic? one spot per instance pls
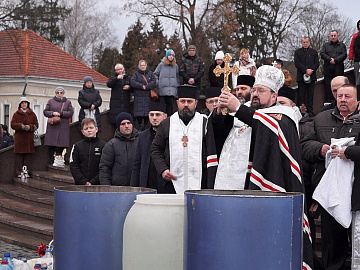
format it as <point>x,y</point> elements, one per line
<point>145,78</point>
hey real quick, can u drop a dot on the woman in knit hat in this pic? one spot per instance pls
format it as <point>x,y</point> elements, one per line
<point>90,101</point>
<point>23,122</point>
<point>167,79</point>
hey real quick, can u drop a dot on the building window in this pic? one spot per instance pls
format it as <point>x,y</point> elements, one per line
<point>6,114</point>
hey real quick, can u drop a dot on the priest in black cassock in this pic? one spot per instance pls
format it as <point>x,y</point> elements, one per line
<point>275,153</point>
<point>183,149</point>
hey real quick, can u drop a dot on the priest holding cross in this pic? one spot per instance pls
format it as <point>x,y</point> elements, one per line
<point>183,150</point>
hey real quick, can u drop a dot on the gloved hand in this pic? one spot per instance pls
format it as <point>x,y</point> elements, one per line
<point>27,127</point>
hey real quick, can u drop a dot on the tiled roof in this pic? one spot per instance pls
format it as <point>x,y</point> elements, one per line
<point>23,52</point>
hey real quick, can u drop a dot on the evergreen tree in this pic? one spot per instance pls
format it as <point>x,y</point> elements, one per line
<point>132,47</point>
<point>110,57</point>
<point>253,32</point>
<point>43,18</point>
<point>154,48</point>
<point>174,43</point>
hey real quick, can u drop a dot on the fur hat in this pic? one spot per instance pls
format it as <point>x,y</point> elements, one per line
<point>187,91</point>
<point>270,77</point>
<point>59,88</point>
<point>219,55</point>
<point>123,116</point>
<point>170,52</point>
<point>87,79</point>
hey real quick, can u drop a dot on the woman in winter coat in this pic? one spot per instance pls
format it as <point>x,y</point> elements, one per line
<point>90,100</point>
<point>213,79</point>
<point>57,136</point>
<point>167,79</point>
<point>120,93</point>
<point>142,81</point>
<point>23,122</point>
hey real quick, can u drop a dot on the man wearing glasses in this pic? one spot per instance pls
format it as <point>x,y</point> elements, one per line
<point>212,99</point>
<point>275,153</point>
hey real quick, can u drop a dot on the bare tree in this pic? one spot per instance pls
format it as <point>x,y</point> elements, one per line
<point>316,21</point>
<point>283,15</point>
<point>86,31</point>
<point>7,10</point>
<point>189,14</point>
<point>221,26</point>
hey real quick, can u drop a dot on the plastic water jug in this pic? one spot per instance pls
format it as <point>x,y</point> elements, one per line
<point>4,265</point>
<point>153,233</point>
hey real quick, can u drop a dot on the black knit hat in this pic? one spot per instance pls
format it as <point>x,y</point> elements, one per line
<point>287,92</point>
<point>246,80</point>
<point>157,106</point>
<point>187,91</point>
<point>123,116</point>
<point>212,92</point>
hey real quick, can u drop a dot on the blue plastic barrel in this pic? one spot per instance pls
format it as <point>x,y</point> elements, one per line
<point>242,229</point>
<point>88,225</point>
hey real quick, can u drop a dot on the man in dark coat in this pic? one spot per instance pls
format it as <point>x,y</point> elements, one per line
<point>333,53</point>
<point>341,122</point>
<point>192,69</point>
<point>306,61</point>
<point>120,93</point>
<point>118,154</point>
<point>275,154</point>
<point>183,150</point>
<point>85,155</point>
<point>352,153</point>
<point>144,172</point>
<point>7,140</point>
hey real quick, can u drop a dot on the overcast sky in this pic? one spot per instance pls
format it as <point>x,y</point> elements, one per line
<point>350,8</point>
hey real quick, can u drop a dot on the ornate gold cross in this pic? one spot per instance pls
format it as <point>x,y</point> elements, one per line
<point>227,70</point>
<point>185,140</point>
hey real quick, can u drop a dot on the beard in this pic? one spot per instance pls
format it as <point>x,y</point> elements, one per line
<point>243,99</point>
<point>186,115</point>
<point>257,104</point>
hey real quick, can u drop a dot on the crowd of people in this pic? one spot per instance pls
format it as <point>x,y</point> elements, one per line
<point>265,142</point>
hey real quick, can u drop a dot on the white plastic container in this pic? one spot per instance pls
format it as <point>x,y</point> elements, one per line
<point>153,233</point>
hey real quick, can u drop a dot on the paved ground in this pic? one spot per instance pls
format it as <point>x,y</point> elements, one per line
<point>17,251</point>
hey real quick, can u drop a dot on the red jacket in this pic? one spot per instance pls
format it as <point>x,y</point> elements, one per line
<point>351,50</point>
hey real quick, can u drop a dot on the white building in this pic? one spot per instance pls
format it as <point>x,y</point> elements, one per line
<point>32,66</point>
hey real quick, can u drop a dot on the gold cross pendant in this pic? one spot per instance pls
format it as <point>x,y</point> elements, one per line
<point>185,140</point>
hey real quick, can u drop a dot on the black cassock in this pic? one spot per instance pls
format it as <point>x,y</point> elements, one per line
<point>275,161</point>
